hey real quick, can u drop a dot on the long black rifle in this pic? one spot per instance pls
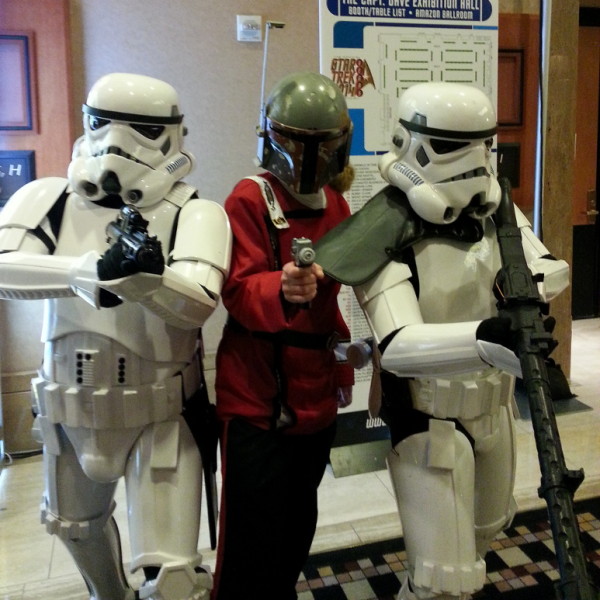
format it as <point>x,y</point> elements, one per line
<point>521,303</point>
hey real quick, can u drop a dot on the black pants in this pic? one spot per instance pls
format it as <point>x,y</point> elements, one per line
<point>269,510</point>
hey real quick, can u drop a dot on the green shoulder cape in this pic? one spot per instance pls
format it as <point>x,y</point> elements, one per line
<point>360,246</point>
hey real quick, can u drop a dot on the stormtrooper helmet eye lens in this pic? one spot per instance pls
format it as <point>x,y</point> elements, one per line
<point>441,146</point>
<point>398,141</point>
<point>151,132</point>
<point>96,123</point>
<point>422,157</point>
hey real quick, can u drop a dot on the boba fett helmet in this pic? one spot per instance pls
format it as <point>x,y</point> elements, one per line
<point>306,130</point>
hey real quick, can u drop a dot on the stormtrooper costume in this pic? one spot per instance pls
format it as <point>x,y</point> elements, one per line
<point>121,351</point>
<point>425,287</point>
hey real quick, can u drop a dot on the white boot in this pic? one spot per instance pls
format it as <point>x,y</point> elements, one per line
<point>406,593</point>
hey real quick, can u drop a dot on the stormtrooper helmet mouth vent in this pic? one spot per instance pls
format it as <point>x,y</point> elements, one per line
<point>479,206</point>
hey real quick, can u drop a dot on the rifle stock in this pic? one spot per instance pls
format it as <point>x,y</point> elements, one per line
<point>521,303</point>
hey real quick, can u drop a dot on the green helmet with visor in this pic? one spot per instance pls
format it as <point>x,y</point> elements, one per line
<point>307,131</point>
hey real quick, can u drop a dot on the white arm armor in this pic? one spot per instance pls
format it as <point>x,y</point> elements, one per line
<point>188,291</point>
<point>443,349</point>
<point>417,349</point>
<point>420,349</point>
<point>26,270</point>
<point>25,276</point>
<point>27,208</point>
<point>433,350</point>
<point>555,272</point>
<point>184,296</point>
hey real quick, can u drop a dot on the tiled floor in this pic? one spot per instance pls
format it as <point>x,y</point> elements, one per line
<point>521,563</point>
<point>353,510</point>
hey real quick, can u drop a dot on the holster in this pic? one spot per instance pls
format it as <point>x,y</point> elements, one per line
<point>200,415</point>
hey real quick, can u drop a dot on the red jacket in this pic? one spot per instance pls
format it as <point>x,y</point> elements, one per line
<point>246,384</point>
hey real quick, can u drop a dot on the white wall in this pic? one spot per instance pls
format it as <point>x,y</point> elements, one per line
<point>192,45</point>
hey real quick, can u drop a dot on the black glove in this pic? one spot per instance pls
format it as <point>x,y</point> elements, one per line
<point>497,330</point>
<point>497,344</point>
<point>114,264</point>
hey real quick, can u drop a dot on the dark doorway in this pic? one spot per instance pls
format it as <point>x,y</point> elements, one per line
<point>586,224</point>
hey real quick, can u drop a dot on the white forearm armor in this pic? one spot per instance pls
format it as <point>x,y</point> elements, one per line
<point>555,272</point>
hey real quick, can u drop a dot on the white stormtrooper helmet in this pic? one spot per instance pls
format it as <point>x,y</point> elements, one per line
<point>132,145</point>
<point>441,153</point>
<point>307,131</point>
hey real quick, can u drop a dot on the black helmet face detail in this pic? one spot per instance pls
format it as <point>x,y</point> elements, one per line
<point>306,160</point>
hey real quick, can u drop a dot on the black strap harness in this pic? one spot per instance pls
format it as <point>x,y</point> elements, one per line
<point>289,337</point>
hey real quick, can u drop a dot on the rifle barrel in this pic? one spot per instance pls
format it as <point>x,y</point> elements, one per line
<point>522,305</point>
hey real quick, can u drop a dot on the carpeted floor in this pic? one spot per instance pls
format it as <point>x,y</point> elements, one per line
<point>521,564</point>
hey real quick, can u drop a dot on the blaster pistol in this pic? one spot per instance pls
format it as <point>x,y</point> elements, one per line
<point>130,230</point>
<point>303,252</point>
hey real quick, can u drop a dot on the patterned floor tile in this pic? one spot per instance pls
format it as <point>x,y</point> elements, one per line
<point>520,566</point>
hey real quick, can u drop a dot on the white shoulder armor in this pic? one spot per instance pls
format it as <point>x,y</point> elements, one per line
<point>203,234</point>
<point>381,296</point>
<point>555,271</point>
<point>189,289</point>
<point>27,208</point>
<point>389,277</point>
<point>26,269</point>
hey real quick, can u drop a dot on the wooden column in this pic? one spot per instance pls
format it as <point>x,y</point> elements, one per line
<point>559,150</point>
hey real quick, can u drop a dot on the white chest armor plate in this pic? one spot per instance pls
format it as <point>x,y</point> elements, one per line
<point>83,229</point>
<point>455,279</point>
